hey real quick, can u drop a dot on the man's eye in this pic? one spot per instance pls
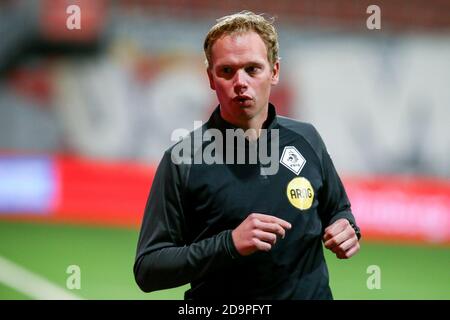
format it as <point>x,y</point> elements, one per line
<point>251,69</point>
<point>226,70</point>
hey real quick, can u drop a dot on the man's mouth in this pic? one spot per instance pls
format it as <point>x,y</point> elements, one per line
<point>242,98</point>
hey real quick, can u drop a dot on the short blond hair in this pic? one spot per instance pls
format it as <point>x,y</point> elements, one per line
<point>242,22</point>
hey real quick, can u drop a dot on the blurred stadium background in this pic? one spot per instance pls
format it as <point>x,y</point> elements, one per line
<point>85,115</point>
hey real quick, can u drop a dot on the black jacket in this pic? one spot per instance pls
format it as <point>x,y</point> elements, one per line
<point>192,208</point>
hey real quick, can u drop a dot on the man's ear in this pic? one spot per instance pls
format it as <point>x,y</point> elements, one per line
<point>211,80</point>
<point>275,73</point>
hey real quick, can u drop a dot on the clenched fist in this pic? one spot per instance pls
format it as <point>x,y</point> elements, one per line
<point>258,232</point>
<point>341,239</point>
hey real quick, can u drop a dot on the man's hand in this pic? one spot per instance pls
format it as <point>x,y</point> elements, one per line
<point>258,232</point>
<point>341,238</point>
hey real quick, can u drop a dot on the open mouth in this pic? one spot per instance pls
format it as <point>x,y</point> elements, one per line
<point>242,99</point>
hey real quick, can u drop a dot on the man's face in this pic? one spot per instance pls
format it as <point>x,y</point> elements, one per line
<point>242,77</point>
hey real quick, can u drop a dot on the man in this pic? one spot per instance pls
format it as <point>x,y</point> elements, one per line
<point>230,229</point>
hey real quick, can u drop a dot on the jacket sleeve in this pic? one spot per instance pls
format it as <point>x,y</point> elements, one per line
<point>333,201</point>
<point>164,259</point>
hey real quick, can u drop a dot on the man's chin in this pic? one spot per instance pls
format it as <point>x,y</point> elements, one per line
<point>243,111</point>
<point>247,111</point>
<point>244,105</point>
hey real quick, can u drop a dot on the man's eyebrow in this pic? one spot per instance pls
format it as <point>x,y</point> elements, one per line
<point>246,64</point>
<point>255,63</point>
<point>224,65</point>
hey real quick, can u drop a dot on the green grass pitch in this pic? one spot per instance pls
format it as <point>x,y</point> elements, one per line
<point>106,255</point>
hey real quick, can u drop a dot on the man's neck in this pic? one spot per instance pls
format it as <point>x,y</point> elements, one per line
<point>251,126</point>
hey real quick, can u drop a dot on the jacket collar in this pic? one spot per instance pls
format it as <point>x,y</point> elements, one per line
<point>216,120</point>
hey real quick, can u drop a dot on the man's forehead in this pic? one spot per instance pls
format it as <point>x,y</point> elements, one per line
<point>239,39</point>
<point>239,47</point>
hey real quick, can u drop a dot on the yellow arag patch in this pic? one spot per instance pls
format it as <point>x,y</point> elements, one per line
<point>300,193</point>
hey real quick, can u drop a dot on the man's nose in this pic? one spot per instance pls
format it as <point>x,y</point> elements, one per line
<point>240,80</point>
